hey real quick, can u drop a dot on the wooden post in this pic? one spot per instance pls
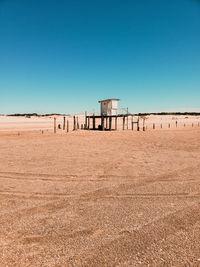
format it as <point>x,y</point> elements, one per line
<point>85,120</point>
<point>74,127</point>
<point>77,123</point>
<point>88,122</point>
<point>67,126</point>
<point>123,123</point>
<point>154,126</point>
<point>102,123</point>
<point>64,123</point>
<point>132,122</point>
<point>110,123</point>
<point>161,126</point>
<point>106,122</point>
<point>54,125</point>
<point>116,123</point>
<point>93,121</point>
<point>127,121</point>
<point>176,124</point>
<point>138,124</point>
<point>143,124</point>
<point>192,124</point>
<point>169,125</point>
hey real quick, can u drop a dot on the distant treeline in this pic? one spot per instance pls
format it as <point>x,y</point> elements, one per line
<point>37,115</point>
<point>170,113</point>
<point>138,114</point>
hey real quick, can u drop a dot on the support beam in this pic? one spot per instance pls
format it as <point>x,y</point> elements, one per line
<point>144,125</point>
<point>132,122</point>
<point>116,123</point>
<point>123,123</point>
<point>138,124</point>
<point>94,122</point>
<point>54,125</point>
<point>102,123</point>
<point>88,122</point>
<point>74,127</point>
<point>67,126</point>
<point>77,123</point>
<point>85,120</point>
<point>110,123</point>
<point>64,123</point>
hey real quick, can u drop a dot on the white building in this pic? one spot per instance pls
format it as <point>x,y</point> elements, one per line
<point>109,107</point>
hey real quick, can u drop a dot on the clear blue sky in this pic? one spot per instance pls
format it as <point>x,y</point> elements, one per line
<point>65,55</point>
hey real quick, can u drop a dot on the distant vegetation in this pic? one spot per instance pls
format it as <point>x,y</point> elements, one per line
<point>170,113</point>
<point>28,115</point>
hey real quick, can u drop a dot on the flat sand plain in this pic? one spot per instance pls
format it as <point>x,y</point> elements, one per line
<point>100,198</point>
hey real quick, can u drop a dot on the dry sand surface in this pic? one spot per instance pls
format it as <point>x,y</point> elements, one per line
<point>100,198</point>
<point>21,124</point>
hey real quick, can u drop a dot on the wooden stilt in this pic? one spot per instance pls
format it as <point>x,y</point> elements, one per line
<point>88,122</point>
<point>64,123</point>
<point>123,123</point>
<point>132,123</point>
<point>85,120</point>
<point>116,123</point>
<point>54,125</point>
<point>106,123</point>
<point>67,126</point>
<point>77,123</point>
<point>138,124</point>
<point>74,126</point>
<point>93,121</point>
<point>110,123</point>
<point>102,124</point>
<point>144,125</point>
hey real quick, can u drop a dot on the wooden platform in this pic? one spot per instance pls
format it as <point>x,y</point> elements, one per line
<point>106,121</point>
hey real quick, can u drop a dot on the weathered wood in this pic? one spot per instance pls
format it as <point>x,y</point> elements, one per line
<point>67,126</point>
<point>94,122</point>
<point>116,123</point>
<point>127,122</point>
<point>74,126</point>
<point>88,123</point>
<point>144,125</point>
<point>110,123</point>
<point>54,125</point>
<point>102,123</point>
<point>86,120</point>
<point>77,123</point>
<point>64,122</point>
<point>123,123</point>
<point>169,125</point>
<point>106,123</point>
<point>132,124</point>
<point>154,126</point>
<point>138,124</point>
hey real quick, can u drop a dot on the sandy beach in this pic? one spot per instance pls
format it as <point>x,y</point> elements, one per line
<point>88,198</point>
